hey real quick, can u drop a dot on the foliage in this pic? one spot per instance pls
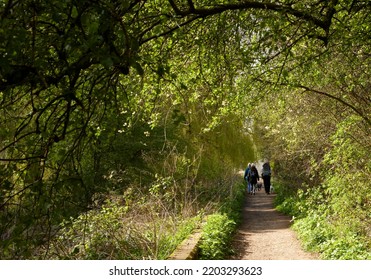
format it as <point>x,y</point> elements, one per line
<point>218,231</point>
<point>169,98</point>
<point>137,225</point>
<point>233,204</point>
<point>334,218</point>
<point>113,233</point>
<point>327,224</point>
<point>216,236</point>
<point>318,137</point>
<point>317,235</point>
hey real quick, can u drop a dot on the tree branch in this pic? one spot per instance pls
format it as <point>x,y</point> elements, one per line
<point>323,23</point>
<point>337,99</point>
<point>308,89</point>
<point>178,26</point>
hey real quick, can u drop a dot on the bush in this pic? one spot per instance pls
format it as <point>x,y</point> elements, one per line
<point>216,237</point>
<point>321,225</point>
<point>116,233</point>
<point>218,231</point>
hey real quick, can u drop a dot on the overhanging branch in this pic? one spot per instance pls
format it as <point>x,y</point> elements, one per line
<point>337,99</point>
<point>244,5</point>
<point>308,89</point>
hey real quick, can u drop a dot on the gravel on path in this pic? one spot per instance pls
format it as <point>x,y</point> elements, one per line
<point>265,233</point>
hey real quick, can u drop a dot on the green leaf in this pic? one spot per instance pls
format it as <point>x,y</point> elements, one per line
<point>75,12</point>
<point>107,62</point>
<point>138,68</point>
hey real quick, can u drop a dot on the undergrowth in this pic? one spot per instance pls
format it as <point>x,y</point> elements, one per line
<point>218,231</point>
<point>118,232</point>
<point>130,228</point>
<point>320,226</point>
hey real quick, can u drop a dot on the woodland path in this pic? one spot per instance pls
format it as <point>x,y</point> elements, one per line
<point>265,234</point>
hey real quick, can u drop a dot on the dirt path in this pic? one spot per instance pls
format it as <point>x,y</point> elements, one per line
<point>265,234</point>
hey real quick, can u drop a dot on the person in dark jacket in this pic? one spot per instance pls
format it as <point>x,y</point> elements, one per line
<point>253,178</point>
<point>246,177</point>
<point>266,174</point>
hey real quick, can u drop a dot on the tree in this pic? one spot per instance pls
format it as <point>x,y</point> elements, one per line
<point>81,80</point>
<point>62,47</point>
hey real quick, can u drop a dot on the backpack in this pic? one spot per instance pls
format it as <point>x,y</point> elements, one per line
<point>266,170</point>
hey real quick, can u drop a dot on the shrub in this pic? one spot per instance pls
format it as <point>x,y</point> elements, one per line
<point>219,228</point>
<point>322,225</point>
<point>116,233</point>
<point>216,237</point>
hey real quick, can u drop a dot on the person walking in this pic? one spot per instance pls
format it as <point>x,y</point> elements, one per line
<point>246,177</point>
<point>253,178</point>
<point>266,174</point>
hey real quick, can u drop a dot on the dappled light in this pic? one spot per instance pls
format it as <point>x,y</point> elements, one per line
<point>124,125</point>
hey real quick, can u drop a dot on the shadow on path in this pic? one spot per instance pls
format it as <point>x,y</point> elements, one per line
<point>265,233</point>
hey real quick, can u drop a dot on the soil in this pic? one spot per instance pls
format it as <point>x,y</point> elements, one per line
<point>265,234</point>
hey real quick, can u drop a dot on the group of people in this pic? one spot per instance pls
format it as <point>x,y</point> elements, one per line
<point>252,177</point>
